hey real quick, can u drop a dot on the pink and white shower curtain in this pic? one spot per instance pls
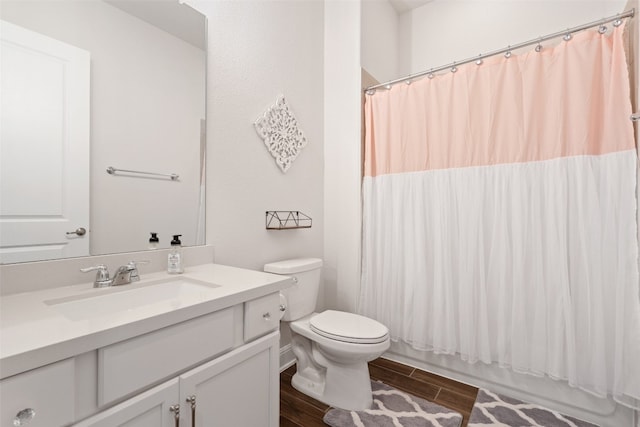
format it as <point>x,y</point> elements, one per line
<point>499,215</point>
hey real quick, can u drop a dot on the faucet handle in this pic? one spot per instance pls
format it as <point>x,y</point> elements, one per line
<point>102,275</point>
<point>133,265</point>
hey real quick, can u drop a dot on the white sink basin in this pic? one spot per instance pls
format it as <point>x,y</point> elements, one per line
<point>159,297</point>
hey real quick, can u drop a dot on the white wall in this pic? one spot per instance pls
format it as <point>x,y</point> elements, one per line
<point>309,51</point>
<point>444,31</point>
<point>379,40</point>
<point>257,51</point>
<point>135,67</point>
<point>342,153</point>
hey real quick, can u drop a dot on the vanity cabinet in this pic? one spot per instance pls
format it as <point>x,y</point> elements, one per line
<point>217,369</point>
<point>239,389</point>
<point>131,365</point>
<point>42,397</point>
<point>153,408</point>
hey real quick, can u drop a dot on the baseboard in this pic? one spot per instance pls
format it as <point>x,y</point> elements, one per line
<point>287,358</point>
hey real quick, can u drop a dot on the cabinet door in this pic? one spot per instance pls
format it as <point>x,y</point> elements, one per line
<point>148,409</point>
<point>239,389</point>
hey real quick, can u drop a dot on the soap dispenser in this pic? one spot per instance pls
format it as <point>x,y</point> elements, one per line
<point>174,264</point>
<point>154,241</point>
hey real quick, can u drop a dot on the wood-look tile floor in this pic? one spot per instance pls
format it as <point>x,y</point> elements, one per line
<point>299,410</point>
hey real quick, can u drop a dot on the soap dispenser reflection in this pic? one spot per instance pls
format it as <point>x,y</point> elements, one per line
<point>154,241</point>
<point>174,264</point>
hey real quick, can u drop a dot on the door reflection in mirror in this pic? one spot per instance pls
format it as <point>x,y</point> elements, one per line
<point>146,89</point>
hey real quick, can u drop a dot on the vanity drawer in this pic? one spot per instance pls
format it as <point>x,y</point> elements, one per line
<point>139,362</point>
<point>48,391</point>
<point>261,316</point>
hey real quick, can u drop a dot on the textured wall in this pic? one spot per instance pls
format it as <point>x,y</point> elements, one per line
<point>258,50</point>
<point>444,31</point>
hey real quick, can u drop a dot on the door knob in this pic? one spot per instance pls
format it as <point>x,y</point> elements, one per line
<point>78,232</point>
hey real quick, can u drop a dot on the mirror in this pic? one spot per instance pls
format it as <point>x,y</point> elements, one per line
<point>123,81</point>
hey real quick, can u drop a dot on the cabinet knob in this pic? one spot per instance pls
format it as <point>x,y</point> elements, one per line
<point>266,316</point>
<point>24,417</point>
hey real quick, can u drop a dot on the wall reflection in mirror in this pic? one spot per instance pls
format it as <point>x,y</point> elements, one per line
<point>88,85</point>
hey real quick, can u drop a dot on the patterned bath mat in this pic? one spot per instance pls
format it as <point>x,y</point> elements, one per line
<point>491,409</point>
<point>393,408</point>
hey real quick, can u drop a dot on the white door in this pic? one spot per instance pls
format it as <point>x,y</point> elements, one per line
<point>239,389</point>
<point>153,408</point>
<point>44,147</point>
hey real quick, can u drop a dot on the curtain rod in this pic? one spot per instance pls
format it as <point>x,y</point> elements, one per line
<point>616,19</point>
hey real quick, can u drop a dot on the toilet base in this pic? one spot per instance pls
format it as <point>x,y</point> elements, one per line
<point>345,387</point>
<point>310,388</point>
<point>333,372</point>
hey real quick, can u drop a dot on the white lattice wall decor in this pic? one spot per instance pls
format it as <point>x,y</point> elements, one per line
<point>279,130</point>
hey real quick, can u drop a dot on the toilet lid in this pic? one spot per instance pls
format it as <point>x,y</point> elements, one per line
<point>348,327</point>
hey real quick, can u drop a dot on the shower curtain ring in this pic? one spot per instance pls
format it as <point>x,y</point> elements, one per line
<point>479,60</point>
<point>567,37</point>
<point>430,75</point>
<point>539,45</point>
<point>507,54</point>
<point>454,68</point>
<point>617,22</point>
<point>602,29</point>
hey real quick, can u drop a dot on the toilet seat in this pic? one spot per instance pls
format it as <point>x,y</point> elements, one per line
<point>348,327</point>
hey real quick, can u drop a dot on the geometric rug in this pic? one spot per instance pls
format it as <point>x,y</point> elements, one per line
<point>394,408</point>
<point>492,409</point>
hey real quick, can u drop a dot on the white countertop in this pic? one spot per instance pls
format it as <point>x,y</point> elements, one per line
<point>33,332</point>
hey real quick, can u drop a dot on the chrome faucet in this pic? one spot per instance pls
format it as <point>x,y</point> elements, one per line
<point>135,275</point>
<point>124,275</point>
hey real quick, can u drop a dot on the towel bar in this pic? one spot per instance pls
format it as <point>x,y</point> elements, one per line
<point>173,176</point>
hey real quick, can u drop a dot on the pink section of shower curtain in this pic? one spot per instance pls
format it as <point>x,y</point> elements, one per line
<point>497,113</point>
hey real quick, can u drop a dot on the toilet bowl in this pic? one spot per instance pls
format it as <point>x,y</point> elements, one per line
<point>332,348</point>
<point>334,370</point>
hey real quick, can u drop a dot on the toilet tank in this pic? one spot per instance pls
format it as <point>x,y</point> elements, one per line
<point>303,295</point>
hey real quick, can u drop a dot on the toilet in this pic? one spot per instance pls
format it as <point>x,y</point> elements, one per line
<point>332,348</point>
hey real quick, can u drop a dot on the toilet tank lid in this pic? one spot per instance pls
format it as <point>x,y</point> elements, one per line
<point>291,266</point>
